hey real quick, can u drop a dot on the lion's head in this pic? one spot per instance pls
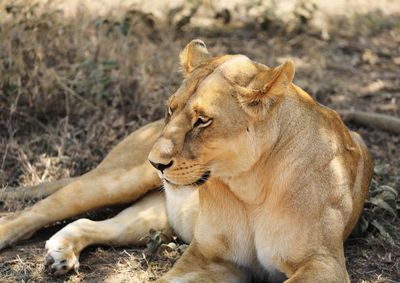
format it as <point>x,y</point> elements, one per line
<point>210,124</point>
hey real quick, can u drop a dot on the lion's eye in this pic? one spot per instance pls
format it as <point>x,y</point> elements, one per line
<point>202,122</point>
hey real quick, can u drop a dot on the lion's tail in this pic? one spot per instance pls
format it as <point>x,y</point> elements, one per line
<point>37,191</point>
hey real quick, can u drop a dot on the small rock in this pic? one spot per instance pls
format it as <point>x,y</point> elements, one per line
<point>172,246</point>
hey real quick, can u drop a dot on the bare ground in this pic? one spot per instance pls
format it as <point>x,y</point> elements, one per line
<point>71,88</point>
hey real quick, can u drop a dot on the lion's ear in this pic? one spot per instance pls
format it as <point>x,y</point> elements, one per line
<point>266,89</point>
<point>194,54</point>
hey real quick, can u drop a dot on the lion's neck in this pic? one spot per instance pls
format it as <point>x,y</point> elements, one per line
<point>249,185</point>
<point>276,139</point>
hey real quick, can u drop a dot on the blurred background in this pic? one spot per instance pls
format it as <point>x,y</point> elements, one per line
<point>77,76</point>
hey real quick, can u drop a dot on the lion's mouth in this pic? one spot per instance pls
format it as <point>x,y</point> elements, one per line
<point>199,182</point>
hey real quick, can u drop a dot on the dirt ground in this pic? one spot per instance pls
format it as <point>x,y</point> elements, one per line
<point>72,86</point>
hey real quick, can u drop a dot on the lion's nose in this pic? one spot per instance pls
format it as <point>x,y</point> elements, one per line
<point>160,166</point>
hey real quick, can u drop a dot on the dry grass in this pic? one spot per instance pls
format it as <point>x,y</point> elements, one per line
<point>72,87</point>
<point>67,82</point>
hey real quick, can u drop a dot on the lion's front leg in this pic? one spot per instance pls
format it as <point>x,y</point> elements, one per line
<point>194,267</point>
<point>127,228</point>
<point>321,269</point>
<point>123,176</point>
<point>94,190</point>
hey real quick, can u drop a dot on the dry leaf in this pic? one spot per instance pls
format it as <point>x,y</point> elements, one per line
<point>370,57</point>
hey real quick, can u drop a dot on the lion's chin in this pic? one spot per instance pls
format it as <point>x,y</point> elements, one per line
<point>201,181</point>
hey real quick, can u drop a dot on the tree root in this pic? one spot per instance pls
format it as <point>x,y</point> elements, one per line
<point>373,120</point>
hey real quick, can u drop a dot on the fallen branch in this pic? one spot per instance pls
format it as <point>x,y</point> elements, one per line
<point>373,120</point>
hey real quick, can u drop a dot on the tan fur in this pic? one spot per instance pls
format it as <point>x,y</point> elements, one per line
<point>260,178</point>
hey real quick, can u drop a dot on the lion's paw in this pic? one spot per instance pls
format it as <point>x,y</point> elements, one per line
<point>60,257</point>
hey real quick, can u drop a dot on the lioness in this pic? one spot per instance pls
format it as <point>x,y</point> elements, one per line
<point>260,179</point>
